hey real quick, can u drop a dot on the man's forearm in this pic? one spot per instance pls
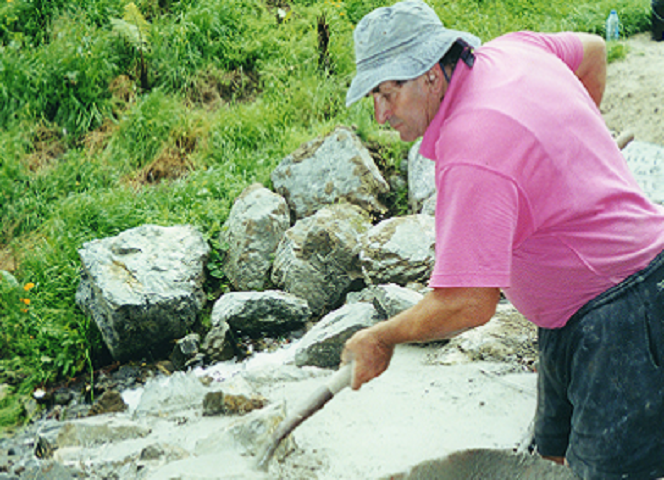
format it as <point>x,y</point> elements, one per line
<point>442,313</point>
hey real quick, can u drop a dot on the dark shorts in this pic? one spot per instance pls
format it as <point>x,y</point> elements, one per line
<point>601,383</point>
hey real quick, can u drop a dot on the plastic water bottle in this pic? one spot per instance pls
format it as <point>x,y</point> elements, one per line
<point>613,26</point>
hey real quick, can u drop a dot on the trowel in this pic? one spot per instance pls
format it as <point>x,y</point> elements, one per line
<point>337,382</point>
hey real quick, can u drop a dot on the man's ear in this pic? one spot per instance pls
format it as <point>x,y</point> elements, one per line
<point>435,78</point>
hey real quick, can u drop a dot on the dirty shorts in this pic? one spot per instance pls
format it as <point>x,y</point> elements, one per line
<point>601,383</point>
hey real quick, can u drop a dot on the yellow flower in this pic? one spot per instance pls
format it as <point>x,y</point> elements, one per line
<point>29,286</point>
<point>26,301</point>
<point>24,310</point>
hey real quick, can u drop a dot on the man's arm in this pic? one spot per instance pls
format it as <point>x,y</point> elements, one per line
<point>442,313</point>
<point>592,70</point>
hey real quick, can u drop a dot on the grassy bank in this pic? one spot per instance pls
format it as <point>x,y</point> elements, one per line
<point>116,114</point>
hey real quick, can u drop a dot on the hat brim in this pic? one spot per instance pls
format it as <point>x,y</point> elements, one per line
<point>407,65</point>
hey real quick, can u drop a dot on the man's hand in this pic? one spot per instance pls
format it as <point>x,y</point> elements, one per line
<point>442,313</point>
<point>371,356</point>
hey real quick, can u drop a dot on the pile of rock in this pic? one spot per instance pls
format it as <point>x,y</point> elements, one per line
<point>292,257</point>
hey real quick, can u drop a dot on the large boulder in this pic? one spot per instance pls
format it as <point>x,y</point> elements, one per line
<point>399,250</point>
<point>318,258</point>
<point>323,344</point>
<point>256,314</point>
<point>327,170</point>
<point>252,232</point>
<point>143,288</point>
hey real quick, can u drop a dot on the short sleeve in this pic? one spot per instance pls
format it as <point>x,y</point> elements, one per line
<point>476,218</point>
<point>566,46</point>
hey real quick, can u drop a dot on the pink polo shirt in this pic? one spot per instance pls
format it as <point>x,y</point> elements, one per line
<point>534,196</point>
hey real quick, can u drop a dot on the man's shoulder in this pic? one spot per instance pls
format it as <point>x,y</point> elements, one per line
<point>560,44</point>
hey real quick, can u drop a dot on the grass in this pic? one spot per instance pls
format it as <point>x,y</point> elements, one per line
<point>116,114</point>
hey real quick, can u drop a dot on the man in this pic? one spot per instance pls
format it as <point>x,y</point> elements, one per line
<point>534,199</point>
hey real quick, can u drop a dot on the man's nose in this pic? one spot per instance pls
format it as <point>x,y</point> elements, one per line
<point>381,110</point>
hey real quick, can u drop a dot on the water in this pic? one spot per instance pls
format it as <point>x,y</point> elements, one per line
<point>180,391</point>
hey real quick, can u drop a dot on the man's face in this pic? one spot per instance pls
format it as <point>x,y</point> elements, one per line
<point>404,105</point>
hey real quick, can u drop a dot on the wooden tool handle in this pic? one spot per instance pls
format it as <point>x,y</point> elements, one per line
<point>337,382</point>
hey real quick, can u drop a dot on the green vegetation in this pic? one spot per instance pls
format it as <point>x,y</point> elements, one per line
<point>116,114</point>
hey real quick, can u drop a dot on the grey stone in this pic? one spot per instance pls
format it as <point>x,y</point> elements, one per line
<point>143,288</point>
<point>318,258</point>
<point>213,403</point>
<point>48,470</point>
<point>429,206</point>
<point>259,313</point>
<point>220,403</point>
<point>389,299</point>
<point>323,344</point>
<point>110,402</point>
<point>421,178</point>
<point>508,339</point>
<point>185,350</point>
<point>399,250</point>
<point>217,345</point>
<point>327,170</point>
<point>164,396</point>
<point>250,433</point>
<point>90,431</point>
<point>162,452</point>
<point>252,232</point>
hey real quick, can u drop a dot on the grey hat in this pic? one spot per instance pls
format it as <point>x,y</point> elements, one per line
<point>400,42</point>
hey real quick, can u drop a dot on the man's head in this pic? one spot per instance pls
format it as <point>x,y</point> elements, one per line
<point>394,48</point>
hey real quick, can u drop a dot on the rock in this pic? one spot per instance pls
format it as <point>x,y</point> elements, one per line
<point>318,258</point>
<point>323,344</point>
<point>219,403</point>
<point>399,250</point>
<point>217,347</point>
<point>167,395</point>
<point>43,448</point>
<point>388,300</point>
<point>162,453</point>
<point>250,433</point>
<point>185,350</point>
<point>143,288</point>
<point>90,431</point>
<point>429,206</point>
<point>327,170</point>
<point>259,313</point>
<point>110,402</point>
<point>507,338</point>
<point>252,232</point>
<point>213,404</point>
<point>421,178</point>
<point>48,470</point>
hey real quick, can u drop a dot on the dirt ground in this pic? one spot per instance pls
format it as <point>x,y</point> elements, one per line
<point>634,96</point>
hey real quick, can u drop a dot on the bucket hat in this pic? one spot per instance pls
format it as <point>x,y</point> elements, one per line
<point>400,42</point>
